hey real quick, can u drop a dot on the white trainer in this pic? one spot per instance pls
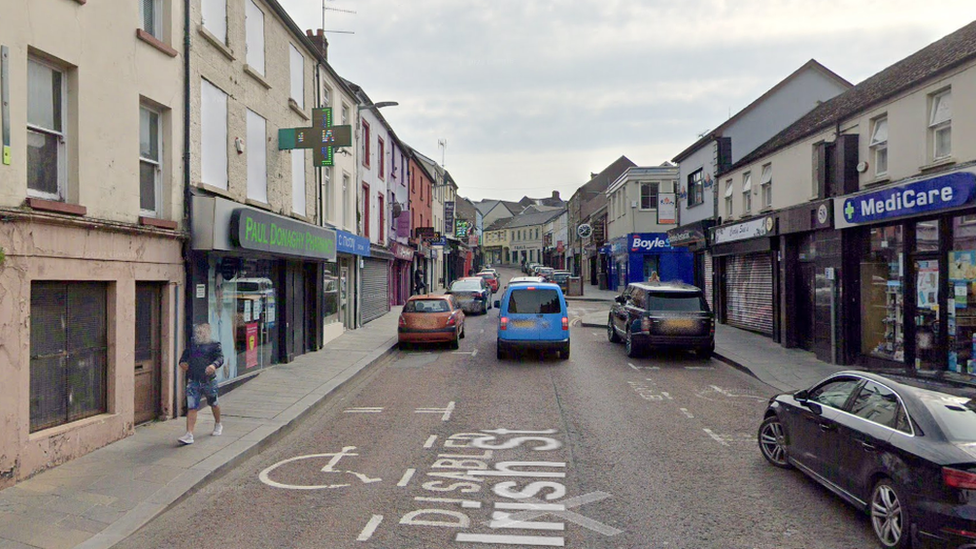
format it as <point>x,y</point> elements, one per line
<point>218,430</point>
<point>186,439</point>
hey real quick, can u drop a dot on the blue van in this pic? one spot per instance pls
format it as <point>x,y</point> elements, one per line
<point>533,316</point>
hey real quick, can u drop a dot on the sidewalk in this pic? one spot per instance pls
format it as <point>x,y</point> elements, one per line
<point>99,499</point>
<point>782,368</point>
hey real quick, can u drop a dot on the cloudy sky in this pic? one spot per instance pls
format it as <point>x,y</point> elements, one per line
<point>534,95</point>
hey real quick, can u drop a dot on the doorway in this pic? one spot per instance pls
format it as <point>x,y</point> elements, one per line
<point>147,367</point>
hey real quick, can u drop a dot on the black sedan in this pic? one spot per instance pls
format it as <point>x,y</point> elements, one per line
<point>902,449</point>
<point>473,293</point>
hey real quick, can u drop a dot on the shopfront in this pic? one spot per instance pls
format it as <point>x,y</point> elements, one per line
<point>744,252</point>
<point>639,257</point>
<point>375,290</point>
<point>400,273</point>
<point>694,237</point>
<point>914,271</point>
<point>258,279</point>
<point>350,249</point>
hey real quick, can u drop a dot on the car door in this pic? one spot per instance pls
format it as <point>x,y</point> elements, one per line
<point>812,425</point>
<point>863,436</point>
<point>635,306</point>
<point>620,311</point>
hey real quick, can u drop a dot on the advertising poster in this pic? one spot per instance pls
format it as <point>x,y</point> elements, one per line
<point>667,209</point>
<point>251,351</point>
<point>928,284</point>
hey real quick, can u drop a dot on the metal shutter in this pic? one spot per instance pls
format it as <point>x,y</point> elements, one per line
<point>749,292</point>
<point>708,280</point>
<point>375,292</point>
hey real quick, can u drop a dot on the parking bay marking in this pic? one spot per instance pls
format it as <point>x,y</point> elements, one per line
<point>265,477</point>
<point>371,526</point>
<point>639,368</point>
<point>405,479</point>
<point>565,514</point>
<point>445,411</point>
<point>364,410</point>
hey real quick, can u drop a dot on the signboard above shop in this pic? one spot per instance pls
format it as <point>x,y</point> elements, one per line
<point>264,232</point>
<point>945,192</point>
<point>754,228</point>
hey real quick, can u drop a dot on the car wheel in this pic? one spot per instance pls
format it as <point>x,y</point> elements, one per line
<point>404,346</point>
<point>456,344</point>
<point>705,352</point>
<point>462,332</point>
<point>772,442</point>
<point>889,515</point>
<point>499,353</point>
<point>612,334</point>
<point>633,348</point>
<point>564,353</point>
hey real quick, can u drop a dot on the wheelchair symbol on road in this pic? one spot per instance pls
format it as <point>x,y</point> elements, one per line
<point>265,475</point>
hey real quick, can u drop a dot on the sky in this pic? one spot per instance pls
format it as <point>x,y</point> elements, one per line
<point>533,96</point>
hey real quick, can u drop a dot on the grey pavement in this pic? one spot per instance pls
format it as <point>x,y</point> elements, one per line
<point>99,499</point>
<point>782,368</point>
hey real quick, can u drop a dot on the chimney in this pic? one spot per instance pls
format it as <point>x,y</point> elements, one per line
<point>320,42</point>
<point>555,194</point>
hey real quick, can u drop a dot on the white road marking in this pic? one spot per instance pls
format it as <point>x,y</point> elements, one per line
<point>265,477</point>
<point>538,541</point>
<point>430,441</point>
<point>730,394</point>
<point>596,334</point>
<point>364,410</point>
<point>687,413</point>
<point>465,503</point>
<point>474,353</point>
<point>371,526</point>
<point>446,411</point>
<point>482,331</point>
<point>666,395</point>
<point>699,367</point>
<point>719,439</point>
<point>405,479</point>
<point>568,515</point>
<point>639,368</point>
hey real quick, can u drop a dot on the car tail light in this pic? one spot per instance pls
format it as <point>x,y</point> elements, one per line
<point>565,324</point>
<point>645,324</point>
<point>530,288</point>
<point>711,326</point>
<point>452,320</point>
<point>403,322</point>
<point>954,478</point>
<point>503,323</point>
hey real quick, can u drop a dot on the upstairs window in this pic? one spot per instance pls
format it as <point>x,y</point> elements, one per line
<point>381,157</point>
<point>46,151</point>
<point>940,124</point>
<point>766,185</point>
<point>297,62</point>
<point>747,193</point>
<point>728,198</point>
<point>696,191</point>
<point>215,18</point>
<point>151,13</point>
<point>648,196</point>
<point>879,145</point>
<point>150,161</point>
<point>254,28</point>
<point>366,138</point>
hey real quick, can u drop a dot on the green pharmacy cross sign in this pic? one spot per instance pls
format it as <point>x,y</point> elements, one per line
<point>323,138</point>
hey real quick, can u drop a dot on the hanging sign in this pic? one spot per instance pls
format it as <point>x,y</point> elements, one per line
<point>667,209</point>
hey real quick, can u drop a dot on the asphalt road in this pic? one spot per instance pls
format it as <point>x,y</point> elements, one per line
<point>436,448</point>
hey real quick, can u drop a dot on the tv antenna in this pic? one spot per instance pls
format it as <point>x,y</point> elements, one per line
<point>442,144</point>
<point>339,10</point>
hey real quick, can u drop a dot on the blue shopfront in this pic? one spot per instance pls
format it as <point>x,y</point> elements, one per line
<point>639,257</point>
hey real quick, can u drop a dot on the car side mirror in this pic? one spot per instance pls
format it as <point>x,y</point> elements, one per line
<point>801,396</point>
<point>498,303</point>
<point>620,299</point>
<point>813,406</point>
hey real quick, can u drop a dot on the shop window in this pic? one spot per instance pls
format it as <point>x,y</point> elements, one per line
<point>68,352</point>
<point>879,145</point>
<point>940,124</point>
<point>243,314</point>
<point>46,149</point>
<point>882,272</point>
<point>330,286</point>
<point>962,294</point>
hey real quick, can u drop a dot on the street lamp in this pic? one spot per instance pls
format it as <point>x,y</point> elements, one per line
<point>379,105</point>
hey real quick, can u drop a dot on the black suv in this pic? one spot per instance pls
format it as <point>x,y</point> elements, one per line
<point>657,314</point>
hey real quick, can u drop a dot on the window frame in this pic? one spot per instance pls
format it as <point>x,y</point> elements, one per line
<point>292,60</point>
<point>366,140</point>
<point>253,187</point>
<point>380,157</point>
<point>61,135</point>
<point>222,150</point>
<point>747,193</point>
<point>158,163</point>
<point>936,127</point>
<point>366,209</point>
<point>879,146</point>
<point>157,16</point>
<point>649,195</point>
<point>729,194</point>
<point>216,32</point>
<point>381,215</point>
<point>696,187</point>
<point>252,9</point>
<point>766,186</point>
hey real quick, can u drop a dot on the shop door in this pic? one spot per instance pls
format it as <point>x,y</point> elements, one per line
<point>804,295</point>
<point>147,352</point>
<point>298,309</point>
<point>927,277</point>
<point>749,292</point>
<point>343,294</point>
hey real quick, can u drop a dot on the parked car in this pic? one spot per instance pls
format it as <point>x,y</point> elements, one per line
<point>532,316</point>
<point>898,448</point>
<point>473,293</point>
<point>491,278</point>
<point>562,279</point>
<point>546,273</point>
<point>659,314</point>
<point>528,268</point>
<point>431,319</point>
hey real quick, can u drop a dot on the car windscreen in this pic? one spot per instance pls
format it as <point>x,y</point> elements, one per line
<point>956,415</point>
<point>560,277</point>
<point>466,286</point>
<point>426,306</point>
<point>486,275</point>
<point>686,302</point>
<point>534,302</point>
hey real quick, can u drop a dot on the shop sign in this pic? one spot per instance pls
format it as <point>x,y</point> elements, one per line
<point>649,242</point>
<point>473,239</point>
<point>263,232</point>
<point>667,209</point>
<point>686,236</point>
<point>349,243</point>
<point>743,231</point>
<point>449,217</point>
<point>930,195</point>
<point>402,252</point>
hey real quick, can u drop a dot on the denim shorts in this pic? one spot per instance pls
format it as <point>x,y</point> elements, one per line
<point>195,389</point>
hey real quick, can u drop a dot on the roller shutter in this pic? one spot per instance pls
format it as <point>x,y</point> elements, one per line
<point>376,289</point>
<point>749,292</point>
<point>708,281</point>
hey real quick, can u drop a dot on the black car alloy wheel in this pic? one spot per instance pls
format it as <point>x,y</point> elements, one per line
<point>889,517</point>
<point>611,331</point>
<point>772,442</point>
<point>633,348</point>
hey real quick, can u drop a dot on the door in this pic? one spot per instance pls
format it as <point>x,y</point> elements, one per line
<point>343,293</point>
<point>147,352</point>
<point>927,329</point>
<point>864,433</point>
<point>812,427</point>
<point>805,276</point>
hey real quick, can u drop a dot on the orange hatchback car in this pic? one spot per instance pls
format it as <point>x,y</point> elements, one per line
<point>431,319</point>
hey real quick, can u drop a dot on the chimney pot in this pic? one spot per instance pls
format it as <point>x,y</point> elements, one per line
<point>308,32</point>
<point>321,32</point>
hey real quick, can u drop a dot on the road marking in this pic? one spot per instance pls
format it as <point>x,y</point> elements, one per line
<point>405,479</point>
<point>730,394</point>
<point>482,331</point>
<point>430,441</point>
<point>687,413</point>
<point>699,367</point>
<point>666,395</point>
<point>474,353</point>
<point>596,334</point>
<point>446,411</point>
<point>465,503</point>
<point>716,437</point>
<point>370,528</point>
<point>537,541</point>
<point>639,368</point>
<point>265,477</point>
<point>364,410</point>
<point>568,515</point>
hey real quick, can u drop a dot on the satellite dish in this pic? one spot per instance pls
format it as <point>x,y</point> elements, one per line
<point>397,210</point>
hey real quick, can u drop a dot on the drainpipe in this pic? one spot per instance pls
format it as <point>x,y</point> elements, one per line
<point>319,206</point>
<point>187,210</point>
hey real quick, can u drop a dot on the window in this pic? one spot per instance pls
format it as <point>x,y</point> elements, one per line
<point>648,196</point>
<point>151,13</point>
<point>297,76</point>
<point>747,193</point>
<point>46,151</point>
<point>728,198</point>
<point>381,214</point>
<point>346,183</point>
<point>879,145</point>
<point>940,124</point>
<point>327,192</point>
<point>326,96</point>
<point>880,405</point>
<point>257,157</point>
<point>150,161</point>
<point>381,157</point>
<point>882,270</point>
<point>366,210</point>
<point>215,18</point>
<point>766,185</point>
<point>365,143</point>
<point>534,302</point>
<point>345,114</point>
<point>68,352</point>
<point>298,198</point>
<point>834,393</point>
<point>696,191</point>
<point>254,28</point>
<point>213,135</point>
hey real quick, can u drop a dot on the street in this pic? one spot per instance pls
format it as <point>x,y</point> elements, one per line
<point>440,448</point>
